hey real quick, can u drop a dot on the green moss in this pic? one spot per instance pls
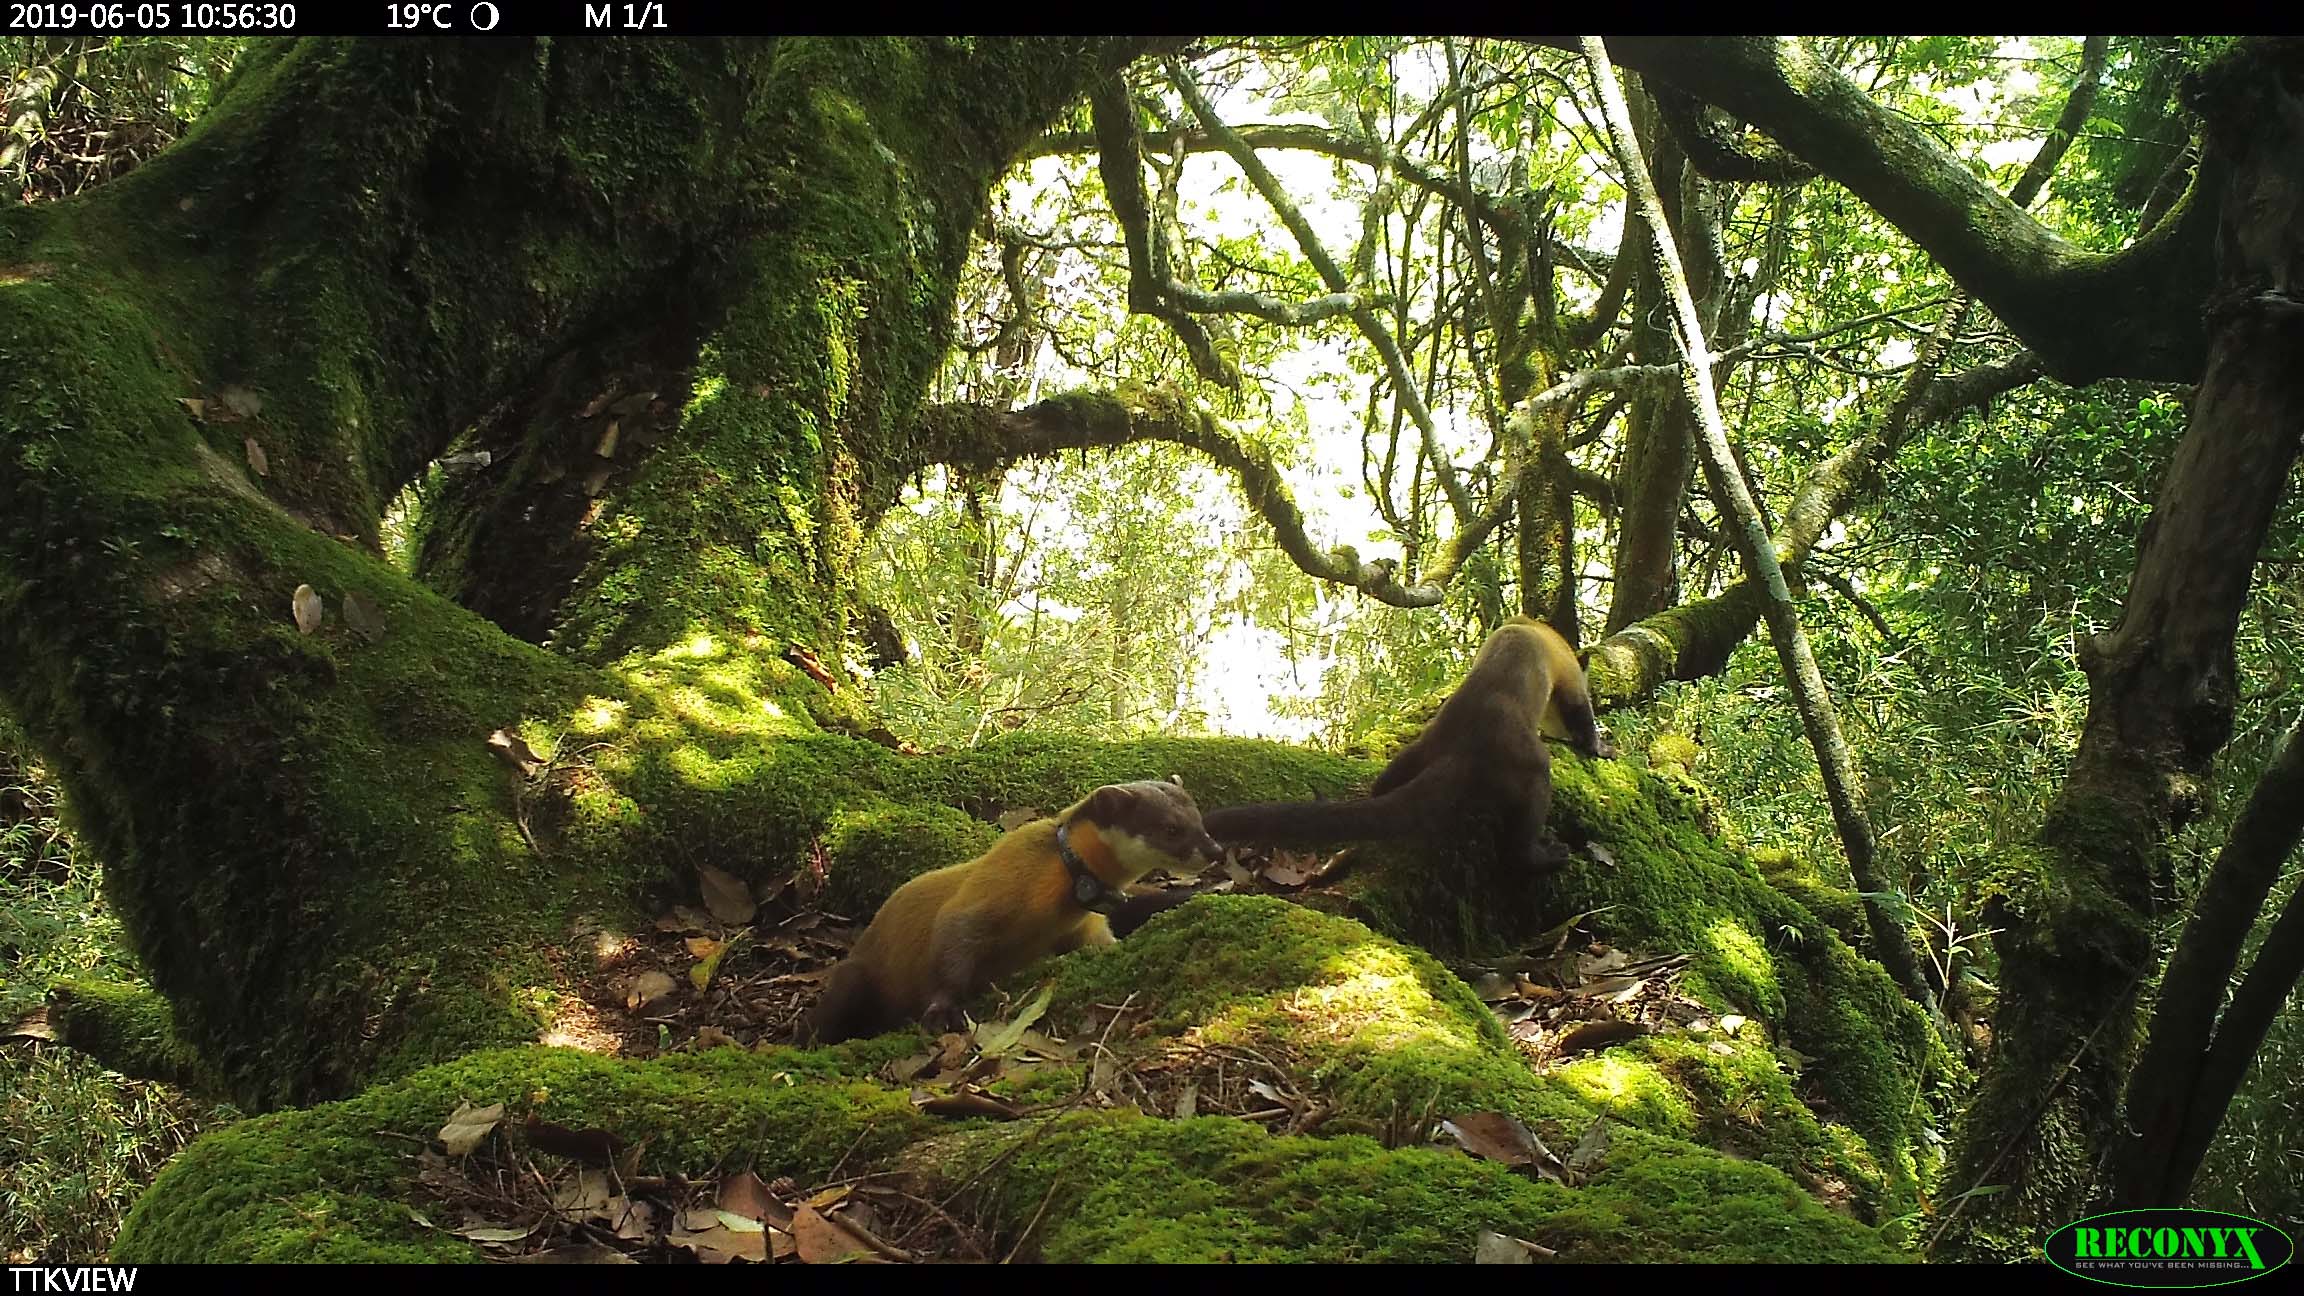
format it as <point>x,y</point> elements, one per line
<point>1797,876</point>
<point>337,1182</point>
<point>1118,1188</point>
<point>1380,1031</point>
<point>874,848</point>
<point>128,1028</point>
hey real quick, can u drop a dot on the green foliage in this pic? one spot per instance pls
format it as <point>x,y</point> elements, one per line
<point>1080,604</point>
<point>77,1143</point>
<point>75,111</point>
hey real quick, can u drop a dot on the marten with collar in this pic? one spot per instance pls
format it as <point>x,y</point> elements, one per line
<point>1483,754</point>
<point>1043,889</point>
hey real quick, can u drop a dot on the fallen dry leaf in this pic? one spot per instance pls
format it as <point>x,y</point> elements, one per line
<point>686,918</point>
<point>585,1195</point>
<point>633,1221</point>
<point>968,1102</point>
<point>256,459</point>
<point>1495,1136</point>
<point>468,1125</point>
<point>744,1194</point>
<point>198,407</point>
<point>606,449</point>
<point>824,1240</point>
<point>491,1233</point>
<point>1495,1248</point>
<point>726,896</point>
<point>721,1244</point>
<point>1291,869</point>
<point>1590,1149</point>
<point>1598,1035</point>
<point>705,946</point>
<point>999,1038</point>
<point>714,1037</point>
<point>906,1070</point>
<point>242,401</point>
<point>308,609</point>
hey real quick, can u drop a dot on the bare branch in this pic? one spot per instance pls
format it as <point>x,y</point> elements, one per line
<point>1325,266</point>
<point>1121,162</point>
<point>2068,123</point>
<point>979,438</point>
<point>1891,943</point>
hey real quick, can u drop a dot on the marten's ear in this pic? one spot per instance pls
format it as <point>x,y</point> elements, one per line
<point>1176,779</point>
<point>1109,804</point>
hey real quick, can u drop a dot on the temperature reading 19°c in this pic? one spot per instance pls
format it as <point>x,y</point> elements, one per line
<point>628,16</point>
<point>442,17</point>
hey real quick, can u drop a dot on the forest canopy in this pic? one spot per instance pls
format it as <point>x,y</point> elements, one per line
<point>490,524</point>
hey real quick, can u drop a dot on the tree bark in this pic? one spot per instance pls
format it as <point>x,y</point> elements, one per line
<point>2077,940</point>
<point>2185,1076</point>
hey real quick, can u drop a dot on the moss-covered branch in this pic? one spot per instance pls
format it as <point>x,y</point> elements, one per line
<point>2088,315</point>
<point>128,1029</point>
<point>1695,639</point>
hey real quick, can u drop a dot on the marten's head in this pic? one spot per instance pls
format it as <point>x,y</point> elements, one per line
<point>1149,826</point>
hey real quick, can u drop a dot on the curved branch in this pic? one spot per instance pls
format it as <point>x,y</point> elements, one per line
<point>2088,315</point>
<point>979,438</point>
<point>1718,155</point>
<point>1347,146</point>
<point>1120,160</point>
<point>1331,274</point>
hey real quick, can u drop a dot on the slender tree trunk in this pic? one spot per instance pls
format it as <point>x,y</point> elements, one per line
<point>1892,944</point>
<point>2185,1077</point>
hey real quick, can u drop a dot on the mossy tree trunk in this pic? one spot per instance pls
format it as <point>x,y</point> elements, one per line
<point>216,373</point>
<point>2078,917</point>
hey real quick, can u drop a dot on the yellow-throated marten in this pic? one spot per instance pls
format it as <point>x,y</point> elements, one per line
<point>1043,889</point>
<point>1482,755</point>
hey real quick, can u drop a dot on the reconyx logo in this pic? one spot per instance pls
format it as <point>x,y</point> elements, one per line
<point>2169,1248</point>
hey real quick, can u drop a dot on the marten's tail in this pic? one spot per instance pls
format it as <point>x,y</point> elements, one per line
<point>849,1008</point>
<point>1409,810</point>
